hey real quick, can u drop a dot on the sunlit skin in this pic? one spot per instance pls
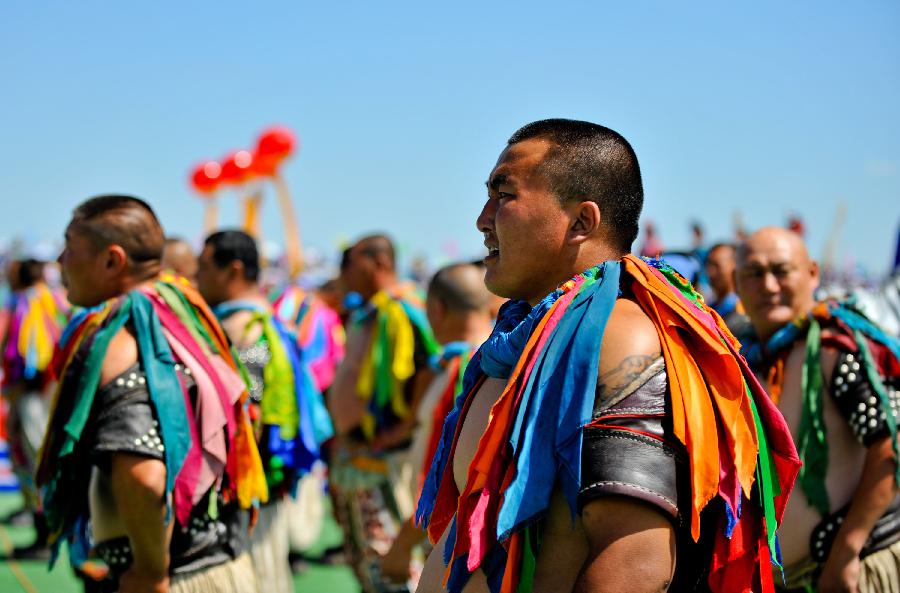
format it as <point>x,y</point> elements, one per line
<point>720,263</point>
<point>92,274</point>
<point>220,284</point>
<point>213,281</point>
<point>526,228</point>
<point>775,279</point>
<point>536,243</point>
<point>180,258</point>
<point>126,501</point>
<point>367,273</point>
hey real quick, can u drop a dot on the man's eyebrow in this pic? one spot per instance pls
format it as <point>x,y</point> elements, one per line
<point>496,181</point>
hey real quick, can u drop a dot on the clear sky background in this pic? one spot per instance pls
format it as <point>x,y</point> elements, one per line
<point>402,107</point>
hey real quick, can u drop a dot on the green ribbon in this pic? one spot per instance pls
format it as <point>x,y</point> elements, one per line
<point>279,400</point>
<point>766,479</point>
<point>877,385</point>
<point>812,441</point>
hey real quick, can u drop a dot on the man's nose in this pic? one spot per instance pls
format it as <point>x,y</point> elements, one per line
<point>485,220</point>
<point>770,282</point>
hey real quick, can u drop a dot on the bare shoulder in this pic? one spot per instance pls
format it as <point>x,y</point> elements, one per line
<point>828,358</point>
<point>236,326</point>
<point>121,354</point>
<point>630,346</point>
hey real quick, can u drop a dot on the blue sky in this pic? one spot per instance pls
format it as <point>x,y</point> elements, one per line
<point>766,108</point>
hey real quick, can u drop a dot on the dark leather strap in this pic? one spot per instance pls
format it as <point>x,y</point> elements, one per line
<point>885,533</point>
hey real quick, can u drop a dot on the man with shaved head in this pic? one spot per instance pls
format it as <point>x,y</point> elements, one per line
<point>459,309</point>
<point>834,376</point>
<point>179,257</point>
<point>149,451</point>
<point>374,401</point>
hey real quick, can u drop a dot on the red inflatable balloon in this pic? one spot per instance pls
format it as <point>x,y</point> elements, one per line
<point>237,167</point>
<point>273,146</point>
<point>206,177</point>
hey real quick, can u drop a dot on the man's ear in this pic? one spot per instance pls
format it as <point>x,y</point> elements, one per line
<point>586,221</point>
<point>236,270</point>
<point>116,259</point>
<point>814,273</point>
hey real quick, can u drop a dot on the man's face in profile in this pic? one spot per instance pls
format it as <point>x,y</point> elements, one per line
<point>82,266</point>
<point>523,223</point>
<point>212,281</point>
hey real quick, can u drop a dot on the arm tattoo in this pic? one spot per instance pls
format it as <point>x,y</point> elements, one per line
<point>630,374</point>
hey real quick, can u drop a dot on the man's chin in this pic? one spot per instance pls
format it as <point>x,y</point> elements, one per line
<point>778,316</point>
<point>496,284</point>
<point>80,300</point>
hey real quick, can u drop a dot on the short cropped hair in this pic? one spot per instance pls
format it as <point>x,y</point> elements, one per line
<point>460,287</point>
<point>723,245</point>
<point>29,272</point>
<point>591,162</point>
<point>121,220</point>
<point>372,245</point>
<point>234,245</point>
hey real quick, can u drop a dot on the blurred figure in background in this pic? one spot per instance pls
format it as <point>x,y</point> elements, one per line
<point>149,456</point>
<point>34,318</point>
<point>179,257</point>
<point>287,408</point>
<point>459,309</point>
<point>836,378</point>
<point>720,264</point>
<point>374,401</point>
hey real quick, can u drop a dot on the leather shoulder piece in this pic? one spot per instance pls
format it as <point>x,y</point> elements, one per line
<point>124,420</point>
<point>858,402</point>
<point>885,532</point>
<point>623,463</point>
<point>628,449</point>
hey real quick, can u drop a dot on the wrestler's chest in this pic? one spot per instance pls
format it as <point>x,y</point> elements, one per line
<point>473,427</point>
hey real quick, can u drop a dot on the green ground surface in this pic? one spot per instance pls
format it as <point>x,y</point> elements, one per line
<point>33,577</point>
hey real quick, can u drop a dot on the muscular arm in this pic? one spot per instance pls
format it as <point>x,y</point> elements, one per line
<point>874,493</point>
<point>631,547</point>
<point>344,404</point>
<point>138,488</point>
<point>631,544</point>
<point>877,488</point>
<point>402,431</point>
<point>433,572</point>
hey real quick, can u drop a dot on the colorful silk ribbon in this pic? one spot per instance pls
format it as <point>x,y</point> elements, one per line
<point>400,324</point>
<point>36,317</point>
<point>848,329</point>
<point>293,411</point>
<point>549,355</point>
<point>208,440</point>
<point>320,333</point>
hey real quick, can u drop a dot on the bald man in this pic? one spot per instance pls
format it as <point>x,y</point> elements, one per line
<point>837,388</point>
<point>179,257</point>
<point>460,312</point>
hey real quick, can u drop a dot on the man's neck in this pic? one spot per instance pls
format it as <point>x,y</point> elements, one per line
<point>472,329</point>
<point>721,296</point>
<point>582,263</point>
<point>248,292</point>
<point>385,283</point>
